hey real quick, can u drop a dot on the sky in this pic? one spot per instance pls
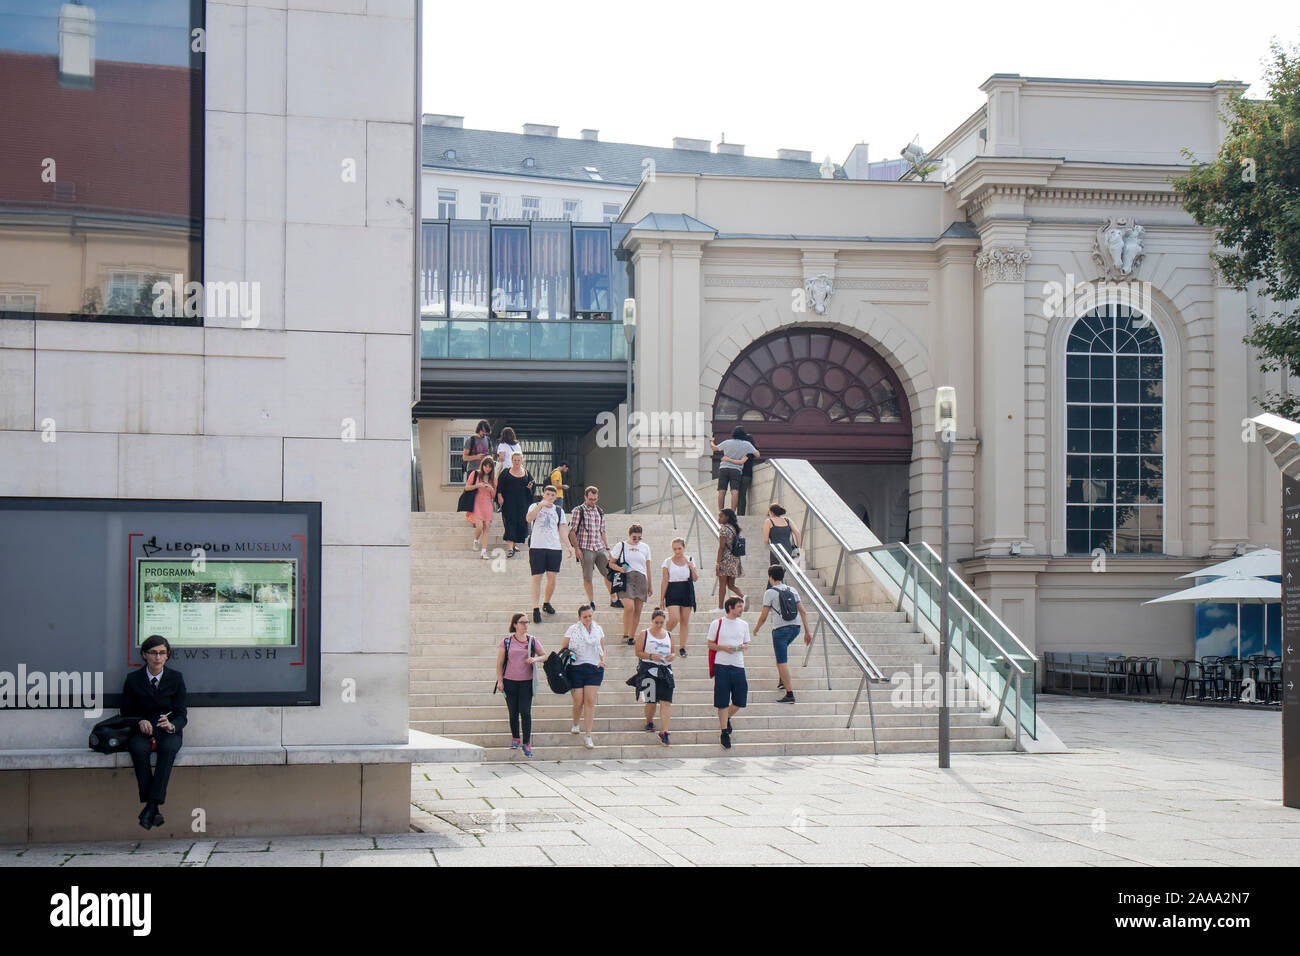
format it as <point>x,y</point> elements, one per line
<point>139,31</point>
<point>817,76</point>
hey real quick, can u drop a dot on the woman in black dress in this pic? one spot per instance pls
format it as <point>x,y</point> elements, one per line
<point>515,494</point>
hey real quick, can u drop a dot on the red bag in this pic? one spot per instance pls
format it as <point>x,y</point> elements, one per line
<point>712,652</point>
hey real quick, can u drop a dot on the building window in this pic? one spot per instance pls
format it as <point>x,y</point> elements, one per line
<point>489,205</point>
<point>571,207</point>
<point>468,271</point>
<point>455,464</point>
<point>1114,407</point>
<point>114,92</point>
<point>18,302</point>
<point>550,272</point>
<point>532,207</point>
<point>433,270</point>
<point>509,270</point>
<point>610,211</point>
<point>591,278</point>
<point>446,204</point>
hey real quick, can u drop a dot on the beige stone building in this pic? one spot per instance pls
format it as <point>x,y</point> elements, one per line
<point>1049,273</point>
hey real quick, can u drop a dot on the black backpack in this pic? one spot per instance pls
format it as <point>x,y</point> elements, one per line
<point>789,604</point>
<point>738,544</point>
<point>556,670</point>
<point>110,735</point>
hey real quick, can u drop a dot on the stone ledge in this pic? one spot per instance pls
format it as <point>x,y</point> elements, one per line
<point>420,748</point>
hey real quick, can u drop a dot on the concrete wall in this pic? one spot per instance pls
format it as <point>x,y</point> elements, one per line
<point>606,468</point>
<point>259,413</point>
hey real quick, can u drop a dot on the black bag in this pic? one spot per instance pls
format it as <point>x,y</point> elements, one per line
<point>618,579</point>
<point>466,501</point>
<point>556,669</point>
<point>738,545</point>
<point>789,604</point>
<point>110,735</point>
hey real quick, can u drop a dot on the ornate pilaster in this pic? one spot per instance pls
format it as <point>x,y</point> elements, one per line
<point>1002,263</point>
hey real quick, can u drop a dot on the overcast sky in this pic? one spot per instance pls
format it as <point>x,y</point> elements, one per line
<point>820,75</point>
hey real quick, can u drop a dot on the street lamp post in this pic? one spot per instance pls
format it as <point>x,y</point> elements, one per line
<point>629,332</point>
<point>945,425</point>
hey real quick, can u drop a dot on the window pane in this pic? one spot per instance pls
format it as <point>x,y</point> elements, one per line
<point>433,270</point>
<point>468,272</point>
<point>550,273</point>
<point>112,95</point>
<point>591,265</point>
<point>509,269</point>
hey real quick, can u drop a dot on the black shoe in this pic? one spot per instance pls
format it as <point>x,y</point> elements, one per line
<point>158,819</point>
<point>616,603</point>
<point>547,608</point>
<point>682,653</point>
<point>628,640</point>
<point>147,814</point>
<point>787,699</point>
<point>780,685</point>
<point>512,552</point>
<point>650,725</point>
<point>537,616</point>
<point>726,739</point>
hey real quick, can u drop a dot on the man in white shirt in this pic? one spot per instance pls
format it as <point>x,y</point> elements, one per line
<point>545,552</point>
<point>728,638</point>
<point>784,630</point>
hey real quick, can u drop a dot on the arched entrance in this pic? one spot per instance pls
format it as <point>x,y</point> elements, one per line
<point>830,398</point>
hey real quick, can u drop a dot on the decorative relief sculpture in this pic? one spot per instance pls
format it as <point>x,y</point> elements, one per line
<point>1118,247</point>
<point>1003,263</point>
<point>819,290</point>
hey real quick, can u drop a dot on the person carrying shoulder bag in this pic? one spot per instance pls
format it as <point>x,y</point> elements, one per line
<point>516,679</point>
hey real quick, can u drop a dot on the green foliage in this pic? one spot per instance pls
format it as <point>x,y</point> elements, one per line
<point>1250,195</point>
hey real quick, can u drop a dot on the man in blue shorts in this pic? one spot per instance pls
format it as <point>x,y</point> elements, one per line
<point>728,637</point>
<point>784,632</point>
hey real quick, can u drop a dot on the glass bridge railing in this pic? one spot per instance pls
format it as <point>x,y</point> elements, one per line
<point>984,645</point>
<point>581,340</point>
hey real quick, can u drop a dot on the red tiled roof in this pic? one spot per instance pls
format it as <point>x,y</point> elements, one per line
<point>122,146</point>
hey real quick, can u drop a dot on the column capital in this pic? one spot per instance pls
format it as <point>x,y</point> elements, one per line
<point>1003,263</point>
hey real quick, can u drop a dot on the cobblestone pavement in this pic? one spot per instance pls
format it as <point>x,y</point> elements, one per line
<point>1146,784</point>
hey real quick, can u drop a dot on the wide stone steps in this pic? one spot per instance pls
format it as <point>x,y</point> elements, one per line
<point>461,606</point>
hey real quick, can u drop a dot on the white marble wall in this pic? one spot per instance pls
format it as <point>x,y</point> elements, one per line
<point>299,93</point>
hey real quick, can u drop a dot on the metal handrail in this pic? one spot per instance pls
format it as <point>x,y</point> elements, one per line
<point>826,616</point>
<point>812,510</point>
<point>967,588</point>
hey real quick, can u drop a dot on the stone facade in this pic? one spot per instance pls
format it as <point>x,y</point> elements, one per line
<point>952,283</point>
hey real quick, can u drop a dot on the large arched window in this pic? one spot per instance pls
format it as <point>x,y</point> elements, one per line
<point>1114,408</point>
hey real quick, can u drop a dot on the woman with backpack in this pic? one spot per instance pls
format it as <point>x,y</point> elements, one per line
<point>484,483</point>
<point>587,642</point>
<point>516,656</point>
<point>677,582</point>
<point>634,561</point>
<point>509,447</point>
<point>654,673</point>
<point>729,567</point>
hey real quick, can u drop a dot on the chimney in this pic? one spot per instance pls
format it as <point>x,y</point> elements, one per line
<point>591,135</point>
<point>731,149</point>
<point>538,129</point>
<point>802,155</point>
<point>444,119</point>
<point>76,45</point>
<point>682,142</point>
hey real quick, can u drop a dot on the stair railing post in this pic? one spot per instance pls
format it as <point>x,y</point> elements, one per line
<point>916,608</point>
<point>826,659</point>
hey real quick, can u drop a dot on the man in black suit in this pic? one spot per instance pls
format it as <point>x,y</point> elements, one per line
<point>155,696</point>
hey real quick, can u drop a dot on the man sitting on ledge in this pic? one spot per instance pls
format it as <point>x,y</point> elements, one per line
<point>155,696</point>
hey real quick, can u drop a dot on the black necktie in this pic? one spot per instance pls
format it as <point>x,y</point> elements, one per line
<point>153,682</point>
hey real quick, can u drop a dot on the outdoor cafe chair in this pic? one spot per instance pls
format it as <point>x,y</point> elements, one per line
<point>1191,673</point>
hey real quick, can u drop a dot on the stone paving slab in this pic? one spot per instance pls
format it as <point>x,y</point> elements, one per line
<point>1144,785</point>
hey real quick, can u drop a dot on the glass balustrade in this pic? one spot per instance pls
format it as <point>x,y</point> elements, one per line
<point>984,649</point>
<point>593,341</point>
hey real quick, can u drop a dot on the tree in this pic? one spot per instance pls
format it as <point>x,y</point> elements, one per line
<point>1251,196</point>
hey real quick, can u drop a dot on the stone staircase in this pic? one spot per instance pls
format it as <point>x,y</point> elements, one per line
<point>461,607</point>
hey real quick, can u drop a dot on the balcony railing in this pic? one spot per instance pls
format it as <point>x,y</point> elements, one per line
<point>581,340</point>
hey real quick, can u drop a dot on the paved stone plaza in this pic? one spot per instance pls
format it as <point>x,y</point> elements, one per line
<point>1146,784</point>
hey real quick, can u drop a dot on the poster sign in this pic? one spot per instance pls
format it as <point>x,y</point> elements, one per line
<point>218,603</point>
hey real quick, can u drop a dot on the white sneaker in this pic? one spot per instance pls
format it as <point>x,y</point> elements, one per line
<point>588,743</point>
<point>575,729</point>
<point>475,545</point>
<point>483,554</point>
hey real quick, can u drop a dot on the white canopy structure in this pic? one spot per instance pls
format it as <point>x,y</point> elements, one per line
<point>1260,563</point>
<point>1235,588</point>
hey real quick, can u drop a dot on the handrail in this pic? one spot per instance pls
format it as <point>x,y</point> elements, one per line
<point>958,578</point>
<point>826,616</point>
<point>814,511</point>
